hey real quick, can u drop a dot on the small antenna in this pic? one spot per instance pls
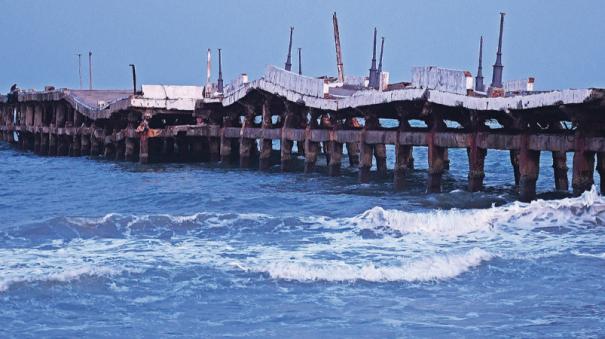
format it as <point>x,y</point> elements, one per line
<point>299,61</point>
<point>89,70</point>
<point>80,68</point>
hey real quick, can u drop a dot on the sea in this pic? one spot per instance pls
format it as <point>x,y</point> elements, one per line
<point>96,248</point>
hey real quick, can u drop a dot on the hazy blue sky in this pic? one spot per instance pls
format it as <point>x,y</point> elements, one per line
<point>561,43</point>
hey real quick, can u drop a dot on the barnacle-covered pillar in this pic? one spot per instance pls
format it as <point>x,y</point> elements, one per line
<point>436,155</point>
<point>583,165</point>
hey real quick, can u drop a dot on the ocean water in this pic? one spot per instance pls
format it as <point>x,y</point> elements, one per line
<point>112,249</point>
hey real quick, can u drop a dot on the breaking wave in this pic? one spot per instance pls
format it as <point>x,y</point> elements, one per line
<point>378,245</point>
<point>438,267</point>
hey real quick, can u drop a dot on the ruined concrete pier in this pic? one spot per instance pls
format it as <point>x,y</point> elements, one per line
<point>309,115</point>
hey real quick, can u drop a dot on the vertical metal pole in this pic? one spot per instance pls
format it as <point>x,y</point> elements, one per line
<point>289,58</point>
<point>479,79</point>
<point>134,79</point>
<point>90,70</point>
<point>80,68</point>
<point>497,74</point>
<point>299,61</point>
<point>380,63</point>
<point>339,65</point>
<point>208,68</point>
<point>372,81</point>
<point>219,82</point>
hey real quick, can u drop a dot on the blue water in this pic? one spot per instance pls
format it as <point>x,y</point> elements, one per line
<point>96,248</point>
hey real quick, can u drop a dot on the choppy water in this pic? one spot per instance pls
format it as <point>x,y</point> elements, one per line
<point>96,248</point>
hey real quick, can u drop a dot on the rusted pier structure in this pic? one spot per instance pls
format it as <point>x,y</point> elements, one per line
<point>310,116</point>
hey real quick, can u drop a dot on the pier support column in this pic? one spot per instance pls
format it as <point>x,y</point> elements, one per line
<point>37,142</point>
<point>285,143</point>
<point>514,161</point>
<point>167,150</point>
<point>529,168</point>
<point>335,150</point>
<point>311,147</point>
<point>352,147</point>
<point>183,151</point>
<point>436,165</point>
<point>365,159</point>
<point>43,143</point>
<point>559,164</point>
<point>436,155</point>
<point>120,150</point>
<point>601,170</point>
<point>214,148</point>
<point>198,149</point>
<point>76,145</point>
<point>446,160</point>
<point>246,145</point>
<point>130,149</point>
<point>52,143</point>
<point>143,148</point>
<point>85,144</point>
<point>226,144</point>
<point>95,142</point>
<point>402,158</point>
<point>476,162</point>
<point>380,153</point>
<point>583,171</point>
<point>266,145</point>
<point>62,145</point>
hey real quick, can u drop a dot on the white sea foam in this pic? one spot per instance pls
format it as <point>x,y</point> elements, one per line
<point>437,267</point>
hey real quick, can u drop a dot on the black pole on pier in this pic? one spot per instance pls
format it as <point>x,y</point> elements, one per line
<point>219,82</point>
<point>497,74</point>
<point>289,58</point>
<point>299,61</point>
<point>134,79</point>
<point>89,70</point>
<point>479,87</point>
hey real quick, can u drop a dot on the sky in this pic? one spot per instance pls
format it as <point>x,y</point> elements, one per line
<point>560,43</point>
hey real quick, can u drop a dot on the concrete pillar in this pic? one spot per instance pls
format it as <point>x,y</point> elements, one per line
<point>446,160</point>
<point>76,145</point>
<point>380,154</point>
<point>183,151</point>
<point>85,144</point>
<point>311,147</point>
<point>37,142</point>
<point>514,161</point>
<point>95,142</point>
<point>62,145</point>
<point>583,171</point>
<point>266,145</point>
<point>529,168</point>
<point>108,146</point>
<point>247,146</point>
<point>436,158</point>
<point>143,149</point>
<point>476,162</point>
<point>43,143</point>
<point>120,150</point>
<point>286,144</point>
<point>226,144</point>
<point>214,148</point>
<point>198,149</point>
<point>365,159</point>
<point>52,144</point>
<point>335,150</point>
<point>402,158</point>
<point>559,164</point>
<point>167,150</point>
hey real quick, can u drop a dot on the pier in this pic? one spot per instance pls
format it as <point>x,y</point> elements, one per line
<point>236,124</point>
